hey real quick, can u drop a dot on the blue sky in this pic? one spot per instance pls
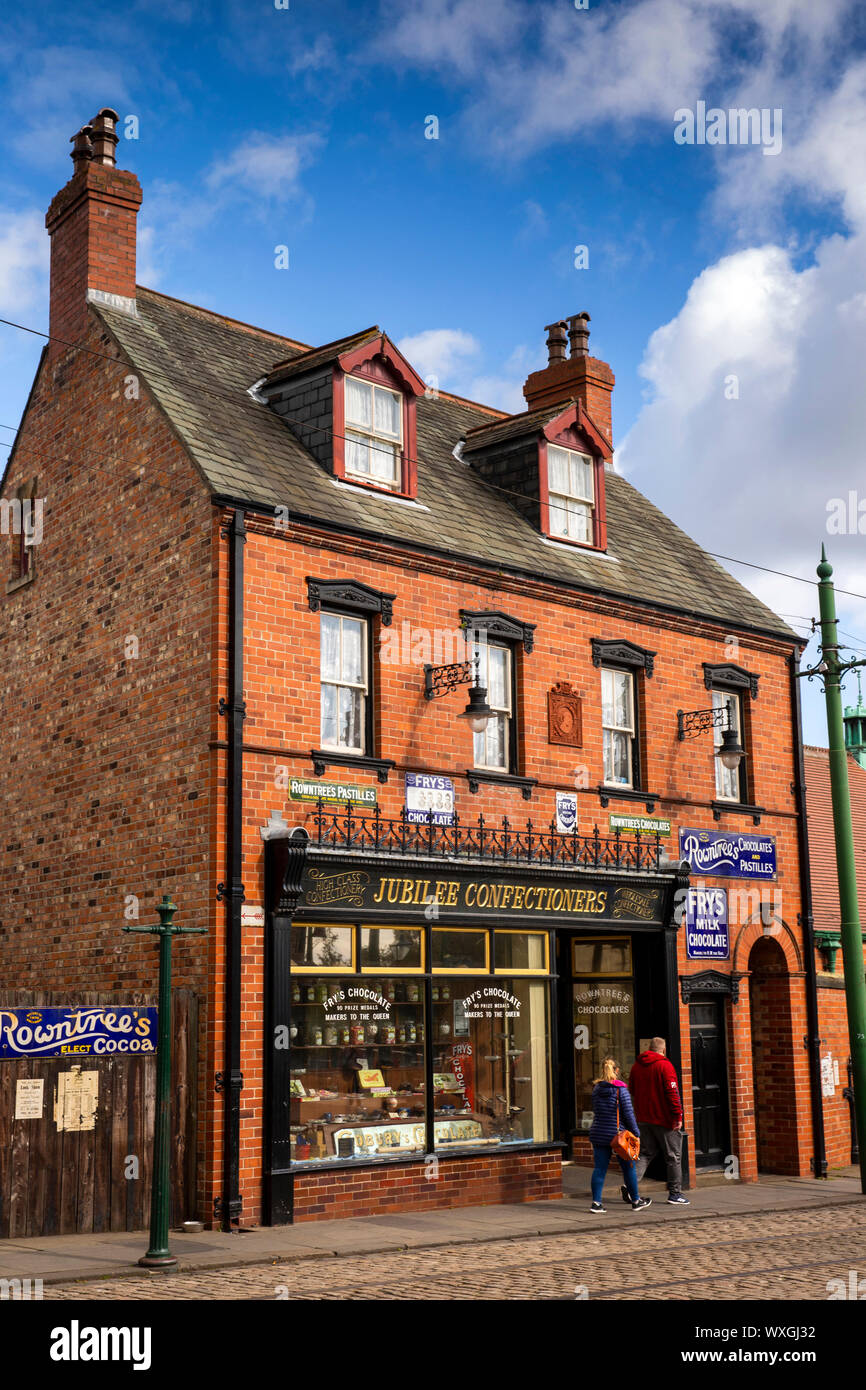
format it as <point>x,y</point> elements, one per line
<point>305,126</point>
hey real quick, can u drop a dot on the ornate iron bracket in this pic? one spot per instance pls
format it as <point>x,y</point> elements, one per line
<point>692,722</point>
<point>222,1083</point>
<point>225,708</point>
<point>225,890</point>
<point>235,1208</point>
<point>438,680</point>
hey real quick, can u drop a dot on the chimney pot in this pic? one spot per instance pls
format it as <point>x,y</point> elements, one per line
<point>578,335</point>
<point>556,336</point>
<point>82,150</point>
<point>104,135</point>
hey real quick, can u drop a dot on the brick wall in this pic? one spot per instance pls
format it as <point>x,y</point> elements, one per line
<point>105,779</point>
<point>282,725</point>
<point>835,1044</point>
<point>533,1176</point>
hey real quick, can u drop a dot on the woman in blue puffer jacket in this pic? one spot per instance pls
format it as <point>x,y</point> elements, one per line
<point>606,1092</point>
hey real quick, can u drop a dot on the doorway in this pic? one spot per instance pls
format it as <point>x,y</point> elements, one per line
<point>712,1128</point>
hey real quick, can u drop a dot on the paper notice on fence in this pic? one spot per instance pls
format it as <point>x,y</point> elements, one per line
<point>75,1104</point>
<point>28,1099</point>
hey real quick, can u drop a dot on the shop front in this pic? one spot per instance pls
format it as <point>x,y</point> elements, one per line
<point>435,1025</point>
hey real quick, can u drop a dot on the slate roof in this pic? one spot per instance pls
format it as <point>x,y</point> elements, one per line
<point>513,426</point>
<point>822,843</point>
<point>317,357</point>
<point>199,366</point>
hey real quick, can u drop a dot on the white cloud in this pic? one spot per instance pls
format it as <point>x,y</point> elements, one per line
<point>455,36</point>
<point>265,166</point>
<point>23,261</point>
<point>439,352</point>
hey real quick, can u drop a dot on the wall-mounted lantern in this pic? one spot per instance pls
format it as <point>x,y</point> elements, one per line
<point>438,680</point>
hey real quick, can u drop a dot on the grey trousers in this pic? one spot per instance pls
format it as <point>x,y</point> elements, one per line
<point>657,1139</point>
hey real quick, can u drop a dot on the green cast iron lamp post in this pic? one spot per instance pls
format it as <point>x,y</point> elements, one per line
<point>831,670</point>
<point>158,1254</point>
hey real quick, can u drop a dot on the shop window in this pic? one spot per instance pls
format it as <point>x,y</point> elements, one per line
<point>322,947</point>
<point>491,1051</point>
<point>345,691</point>
<point>392,948</point>
<point>460,949</point>
<point>522,950</point>
<point>730,781</point>
<point>619,728</point>
<point>601,956</point>
<point>603,1008</point>
<point>357,1068</point>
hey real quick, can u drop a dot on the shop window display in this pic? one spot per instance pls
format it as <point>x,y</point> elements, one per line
<point>357,1074</point>
<point>603,1005</point>
<point>491,1052</point>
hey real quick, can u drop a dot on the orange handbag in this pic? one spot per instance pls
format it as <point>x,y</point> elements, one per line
<point>624,1144</point>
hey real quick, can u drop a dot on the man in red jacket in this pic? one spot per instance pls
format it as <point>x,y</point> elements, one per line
<point>659,1113</point>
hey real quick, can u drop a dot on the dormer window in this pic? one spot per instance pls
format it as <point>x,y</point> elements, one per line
<point>571,491</point>
<point>374,433</point>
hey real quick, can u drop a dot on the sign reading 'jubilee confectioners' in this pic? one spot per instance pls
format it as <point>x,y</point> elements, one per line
<point>375,890</point>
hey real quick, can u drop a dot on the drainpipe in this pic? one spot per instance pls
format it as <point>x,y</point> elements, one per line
<point>813,1041</point>
<point>231,1080</point>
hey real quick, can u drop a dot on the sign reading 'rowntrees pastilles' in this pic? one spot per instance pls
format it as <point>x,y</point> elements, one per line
<point>309,789</point>
<point>94,1030</point>
<point>729,854</point>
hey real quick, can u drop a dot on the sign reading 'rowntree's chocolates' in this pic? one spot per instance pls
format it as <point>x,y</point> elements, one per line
<point>727,854</point>
<point>541,900</point>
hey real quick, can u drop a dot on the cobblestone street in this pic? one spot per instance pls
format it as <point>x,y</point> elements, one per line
<point>765,1256</point>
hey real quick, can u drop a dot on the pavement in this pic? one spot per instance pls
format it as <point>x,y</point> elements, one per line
<point>62,1259</point>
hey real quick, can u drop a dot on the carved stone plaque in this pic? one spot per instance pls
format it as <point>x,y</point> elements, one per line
<point>564,716</point>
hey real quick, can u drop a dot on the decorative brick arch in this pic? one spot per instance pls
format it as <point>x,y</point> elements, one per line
<point>754,930</point>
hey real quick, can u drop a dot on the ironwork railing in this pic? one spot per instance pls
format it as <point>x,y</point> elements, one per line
<point>341,828</point>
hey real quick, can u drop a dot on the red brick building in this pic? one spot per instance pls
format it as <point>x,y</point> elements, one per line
<point>267,579</point>
<point>836,1082</point>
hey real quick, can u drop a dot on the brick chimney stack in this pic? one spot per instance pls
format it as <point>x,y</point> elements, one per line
<point>92,225</point>
<point>577,376</point>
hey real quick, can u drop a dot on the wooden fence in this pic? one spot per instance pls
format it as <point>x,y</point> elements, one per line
<point>61,1182</point>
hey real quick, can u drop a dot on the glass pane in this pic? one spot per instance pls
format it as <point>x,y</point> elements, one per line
<point>357,455</point>
<point>491,1051</point>
<point>581,476</point>
<point>606,1010</point>
<point>357,1068</point>
<point>383,460</point>
<point>387,413</point>
<point>609,957</point>
<point>391,948</point>
<point>557,470</point>
<point>359,402</point>
<point>607,708</point>
<point>330,639</point>
<point>520,950</point>
<point>321,945</point>
<point>329,716</point>
<point>459,950</point>
<point>353,651</point>
<point>621,750</point>
<point>351,718</point>
<point>622,699</point>
<point>496,743</point>
<point>498,694</point>
<point>579,523</point>
<point>558,517</point>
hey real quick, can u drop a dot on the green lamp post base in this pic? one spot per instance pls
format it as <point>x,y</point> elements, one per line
<point>167,1261</point>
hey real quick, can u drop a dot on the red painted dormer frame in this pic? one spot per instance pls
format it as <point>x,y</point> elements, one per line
<point>574,429</point>
<point>380,361</point>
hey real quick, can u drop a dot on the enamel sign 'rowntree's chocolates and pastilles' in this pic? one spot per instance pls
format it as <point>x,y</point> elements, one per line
<point>726,854</point>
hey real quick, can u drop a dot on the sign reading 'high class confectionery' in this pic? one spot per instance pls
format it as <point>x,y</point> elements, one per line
<point>378,890</point>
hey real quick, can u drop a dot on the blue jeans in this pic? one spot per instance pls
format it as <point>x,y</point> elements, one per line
<point>602,1153</point>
